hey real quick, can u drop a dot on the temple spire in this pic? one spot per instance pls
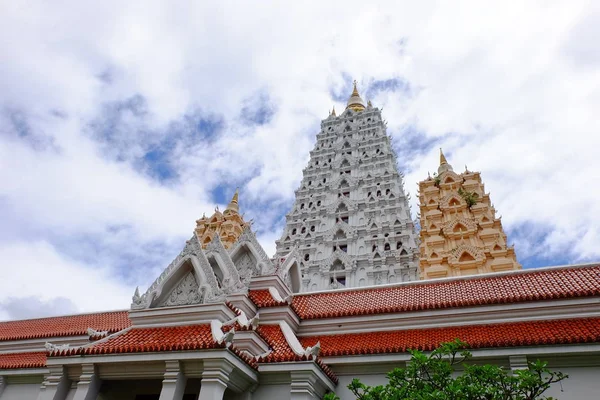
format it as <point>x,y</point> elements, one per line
<point>355,102</point>
<point>442,157</point>
<point>444,166</point>
<point>233,204</point>
<point>333,111</point>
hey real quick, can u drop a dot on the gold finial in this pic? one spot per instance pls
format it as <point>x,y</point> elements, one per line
<point>442,157</point>
<point>355,90</point>
<point>355,102</point>
<point>233,204</point>
<point>333,111</point>
<point>369,103</point>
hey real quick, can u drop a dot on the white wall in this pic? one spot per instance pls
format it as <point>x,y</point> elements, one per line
<point>272,392</point>
<point>27,391</point>
<point>582,383</point>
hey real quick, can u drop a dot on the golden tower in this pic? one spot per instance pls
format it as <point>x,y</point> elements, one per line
<point>460,234</point>
<point>229,225</point>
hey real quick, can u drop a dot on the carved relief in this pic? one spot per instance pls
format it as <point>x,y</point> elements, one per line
<point>187,291</point>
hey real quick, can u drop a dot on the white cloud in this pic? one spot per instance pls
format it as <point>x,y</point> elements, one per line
<point>37,273</point>
<point>510,90</point>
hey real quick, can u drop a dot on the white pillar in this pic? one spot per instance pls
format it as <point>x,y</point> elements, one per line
<point>2,384</point>
<point>173,385</point>
<point>56,385</point>
<point>215,378</point>
<point>303,386</point>
<point>89,383</point>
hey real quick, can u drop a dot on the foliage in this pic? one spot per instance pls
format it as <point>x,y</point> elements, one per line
<point>469,197</point>
<point>433,377</point>
<point>436,180</point>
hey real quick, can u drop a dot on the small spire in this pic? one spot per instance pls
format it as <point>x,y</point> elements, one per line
<point>355,102</point>
<point>444,166</point>
<point>355,90</point>
<point>369,104</point>
<point>442,157</point>
<point>233,204</point>
<point>333,111</point>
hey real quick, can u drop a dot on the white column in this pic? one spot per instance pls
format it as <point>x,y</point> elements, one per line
<point>89,383</point>
<point>173,385</point>
<point>56,385</point>
<point>303,386</point>
<point>2,384</point>
<point>215,378</point>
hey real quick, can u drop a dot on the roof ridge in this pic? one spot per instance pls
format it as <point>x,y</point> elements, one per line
<point>426,282</point>
<point>66,316</point>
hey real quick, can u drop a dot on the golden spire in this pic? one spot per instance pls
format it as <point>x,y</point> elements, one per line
<point>233,204</point>
<point>444,166</point>
<point>355,102</point>
<point>355,90</point>
<point>442,157</point>
<point>333,111</point>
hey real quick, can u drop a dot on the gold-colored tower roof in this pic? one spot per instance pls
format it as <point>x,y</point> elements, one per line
<point>355,102</point>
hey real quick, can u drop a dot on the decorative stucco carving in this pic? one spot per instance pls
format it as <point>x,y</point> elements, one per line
<point>231,282</point>
<point>209,287</point>
<point>249,239</point>
<point>187,291</point>
<point>344,258</point>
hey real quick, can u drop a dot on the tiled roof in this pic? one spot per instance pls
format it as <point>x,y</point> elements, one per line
<point>262,298</point>
<point>473,291</point>
<point>71,325</point>
<point>282,352</point>
<point>23,360</point>
<point>141,340</point>
<point>479,336</point>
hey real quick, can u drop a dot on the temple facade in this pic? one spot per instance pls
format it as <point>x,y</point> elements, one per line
<point>460,233</point>
<point>350,223</point>
<point>340,300</point>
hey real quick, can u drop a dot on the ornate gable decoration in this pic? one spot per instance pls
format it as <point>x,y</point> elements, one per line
<point>208,289</point>
<point>248,239</point>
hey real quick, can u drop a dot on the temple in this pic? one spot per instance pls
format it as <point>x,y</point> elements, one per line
<point>350,223</point>
<point>460,233</point>
<point>340,300</point>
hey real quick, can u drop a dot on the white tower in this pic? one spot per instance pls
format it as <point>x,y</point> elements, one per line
<point>350,224</point>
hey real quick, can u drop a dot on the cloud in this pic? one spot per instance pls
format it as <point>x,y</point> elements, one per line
<point>119,129</point>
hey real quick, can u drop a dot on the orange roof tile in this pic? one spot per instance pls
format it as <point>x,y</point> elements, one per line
<point>23,360</point>
<point>477,336</point>
<point>71,325</point>
<point>141,340</point>
<point>282,352</point>
<point>473,291</point>
<point>262,298</point>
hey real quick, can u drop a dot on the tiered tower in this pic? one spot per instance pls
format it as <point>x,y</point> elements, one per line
<point>350,223</point>
<point>228,225</point>
<point>460,234</point>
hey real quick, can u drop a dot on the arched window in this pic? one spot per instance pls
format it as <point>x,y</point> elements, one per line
<point>398,245</point>
<point>306,257</point>
<point>294,231</point>
<point>374,249</point>
<point>386,246</point>
<point>302,206</point>
<point>303,230</point>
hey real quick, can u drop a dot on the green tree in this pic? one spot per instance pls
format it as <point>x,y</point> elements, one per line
<point>434,377</point>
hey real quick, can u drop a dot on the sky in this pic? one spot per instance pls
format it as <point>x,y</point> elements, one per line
<point>121,123</point>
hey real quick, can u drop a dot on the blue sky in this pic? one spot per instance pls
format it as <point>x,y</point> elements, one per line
<point>120,125</point>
